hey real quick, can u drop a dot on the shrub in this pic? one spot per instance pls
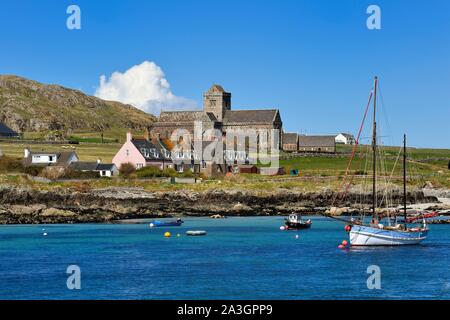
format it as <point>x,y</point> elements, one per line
<point>187,174</point>
<point>127,169</point>
<point>10,164</point>
<point>149,172</point>
<point>72,174</point>
<point>170,172</point>
<point>33,170</point>
<point>152,172</point>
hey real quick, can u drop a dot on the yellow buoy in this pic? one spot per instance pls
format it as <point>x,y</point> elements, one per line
<point>167,234</point>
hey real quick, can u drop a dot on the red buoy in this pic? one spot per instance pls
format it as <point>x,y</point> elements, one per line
<point>344,243</point>
<point>348,228</point>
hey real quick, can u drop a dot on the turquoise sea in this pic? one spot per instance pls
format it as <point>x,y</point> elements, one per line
<point>240,258</point>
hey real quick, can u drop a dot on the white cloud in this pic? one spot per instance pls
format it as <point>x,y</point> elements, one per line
<point>143,86</point>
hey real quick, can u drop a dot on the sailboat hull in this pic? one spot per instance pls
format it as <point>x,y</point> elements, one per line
<point>368,236</point>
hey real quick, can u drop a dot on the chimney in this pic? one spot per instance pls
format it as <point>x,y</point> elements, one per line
<point>129,136</point>
<point>26,152</point>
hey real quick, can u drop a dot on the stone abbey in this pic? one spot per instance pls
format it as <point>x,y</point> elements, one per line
<point>217,114</point>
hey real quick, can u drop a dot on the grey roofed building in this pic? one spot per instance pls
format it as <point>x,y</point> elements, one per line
<point>316,143</point>
<point>84,166</point>
<point>290,138</point>
<point>63,159</point>
<point>290,142</point>
<point>91,166</point>
<point>7,132</point>
<point>104,169</point>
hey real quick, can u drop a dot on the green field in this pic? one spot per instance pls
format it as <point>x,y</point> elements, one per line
<point>85,151</point>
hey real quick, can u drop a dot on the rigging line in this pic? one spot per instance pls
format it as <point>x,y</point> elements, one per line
<point>395,164</point>
<point>385,114</point>
<point>366,166</point>
<point>355,146</point>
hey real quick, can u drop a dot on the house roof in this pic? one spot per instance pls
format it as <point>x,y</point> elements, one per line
<point>316,141</point>
<point>149,150</point>
<point>250,116</point>
<point>105,166</point>
<point>91,166</point>
<point>6,131</point>
<point>83,166</point>
<point>290,138</point>
<point>62,158</point>
<point>181,116</point>
<point>347,135</point>
<point>230,117</point>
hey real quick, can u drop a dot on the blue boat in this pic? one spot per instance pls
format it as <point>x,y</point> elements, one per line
<point>168,223</point>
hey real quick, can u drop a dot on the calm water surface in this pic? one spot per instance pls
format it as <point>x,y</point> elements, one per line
<point>240,258</point>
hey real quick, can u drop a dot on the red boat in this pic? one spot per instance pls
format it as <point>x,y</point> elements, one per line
<point>421,216</point>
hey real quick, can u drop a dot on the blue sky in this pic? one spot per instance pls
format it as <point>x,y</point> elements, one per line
<point>313,59</point>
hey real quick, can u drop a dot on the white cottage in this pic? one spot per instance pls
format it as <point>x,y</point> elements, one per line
<point>344,138</point>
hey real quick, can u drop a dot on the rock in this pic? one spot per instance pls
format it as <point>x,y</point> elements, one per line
<point>217,216</point>
<point>51,212</point>
<point>25,205</point>
<point>335,211</point>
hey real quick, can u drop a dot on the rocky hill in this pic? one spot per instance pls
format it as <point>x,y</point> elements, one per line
<point>30,106</point>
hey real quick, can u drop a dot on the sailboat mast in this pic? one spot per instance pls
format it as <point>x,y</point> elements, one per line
<point>374,149</point>
<point>404,177</point>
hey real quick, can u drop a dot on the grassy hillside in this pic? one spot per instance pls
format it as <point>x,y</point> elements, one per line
<point>40,110</point>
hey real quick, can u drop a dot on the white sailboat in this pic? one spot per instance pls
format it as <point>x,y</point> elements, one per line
<point>376,233</point>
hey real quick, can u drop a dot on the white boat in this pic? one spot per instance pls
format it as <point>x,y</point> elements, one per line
<point>372,236</point>
<point>377,234</point>
<point>196,233</point>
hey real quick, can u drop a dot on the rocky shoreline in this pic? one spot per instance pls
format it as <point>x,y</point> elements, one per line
<point>28,206</point>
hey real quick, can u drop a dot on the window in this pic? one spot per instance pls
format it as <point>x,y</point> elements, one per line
<point>203,164</point>
<point>145,152</point>
<point>128,152</point>
<point>139,165</point>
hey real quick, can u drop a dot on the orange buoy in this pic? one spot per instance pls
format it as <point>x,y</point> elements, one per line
<point>344,243</point>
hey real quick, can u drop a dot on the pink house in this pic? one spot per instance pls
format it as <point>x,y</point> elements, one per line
<point>140,152</point>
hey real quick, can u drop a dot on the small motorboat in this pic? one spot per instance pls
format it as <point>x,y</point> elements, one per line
<point>296,222</point>
<point>168,223</point>
<point>196,233</point>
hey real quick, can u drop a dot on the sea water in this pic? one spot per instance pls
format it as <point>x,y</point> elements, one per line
<point>239,258</point>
